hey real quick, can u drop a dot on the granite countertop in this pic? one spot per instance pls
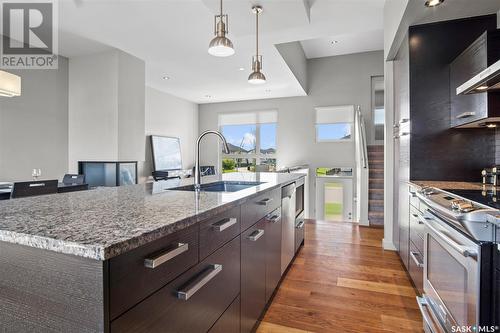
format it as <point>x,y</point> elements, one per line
<point>451,185</point>
<point>105,222</point>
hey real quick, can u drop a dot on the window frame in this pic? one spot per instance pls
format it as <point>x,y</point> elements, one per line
<point>258,156</point>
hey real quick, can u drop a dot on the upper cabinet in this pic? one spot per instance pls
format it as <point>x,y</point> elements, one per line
<point>482,108</point>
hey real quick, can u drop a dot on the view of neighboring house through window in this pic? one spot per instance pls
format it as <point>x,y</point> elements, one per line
<point>252,141</point>
<point>334,123</point>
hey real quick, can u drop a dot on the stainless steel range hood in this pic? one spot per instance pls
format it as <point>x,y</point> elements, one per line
<point>489,79</point>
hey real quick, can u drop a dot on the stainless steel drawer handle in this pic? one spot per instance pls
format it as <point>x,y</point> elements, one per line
<point>426,315</point>
<point>274,218</point>
<point>413,256</point>
<point>224,224</point>
<point>265,202</point>
<point>205,277</point>
<point>254,236</point>
<point>165,256</point>
<point>466,115</point>
<point>300,225</point>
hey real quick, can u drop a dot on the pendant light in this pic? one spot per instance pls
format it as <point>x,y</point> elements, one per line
<point>257,77</point>
<point>221,46</point>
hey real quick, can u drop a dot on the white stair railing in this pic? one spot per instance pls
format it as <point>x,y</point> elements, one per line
<point>362,169</point>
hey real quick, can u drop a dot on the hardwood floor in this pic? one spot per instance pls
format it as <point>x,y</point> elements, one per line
<point>343,281</point>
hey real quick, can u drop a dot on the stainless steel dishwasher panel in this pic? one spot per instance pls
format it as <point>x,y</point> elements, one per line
<point>288,225</point>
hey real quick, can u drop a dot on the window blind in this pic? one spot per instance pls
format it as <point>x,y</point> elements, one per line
<point>247,118</point>
<point>335,114</point>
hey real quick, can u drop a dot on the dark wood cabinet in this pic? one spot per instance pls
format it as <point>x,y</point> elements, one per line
<point>229,322</point>
<point>191,303</point>
<point>219,230</point>
<point>258,207</point>
<point>132,279</point>
<point>273,251</point>
<point>473,109</point>
<point>253,275</point>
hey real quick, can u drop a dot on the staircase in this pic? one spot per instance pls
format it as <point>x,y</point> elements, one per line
<point>376,186</point>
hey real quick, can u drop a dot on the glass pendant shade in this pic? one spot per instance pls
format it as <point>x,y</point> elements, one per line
<point>10,84</point>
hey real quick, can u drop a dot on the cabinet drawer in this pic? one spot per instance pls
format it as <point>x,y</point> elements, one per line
<point>191,303</point>
<point>299,231</point>
<point>229,322</point>
<point>416,229</point>
<point>414,200</point>
<point>256,208</point>
<point>416,268</point>
<point>217,231</point>
<point>253,275</point>
<point>134,275</point>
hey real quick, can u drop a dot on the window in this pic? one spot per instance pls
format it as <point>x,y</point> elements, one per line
<point>378,108</point>
<point>334,123</point>
<point>252,141</point>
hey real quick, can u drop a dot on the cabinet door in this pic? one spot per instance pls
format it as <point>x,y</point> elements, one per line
<point>468,108</point>
<point>193,302</point>
<point>229,322</point>
<point>253,275</point>
<point>273,251</point>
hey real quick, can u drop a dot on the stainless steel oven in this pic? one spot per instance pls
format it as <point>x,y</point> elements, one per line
<point>451,276</point>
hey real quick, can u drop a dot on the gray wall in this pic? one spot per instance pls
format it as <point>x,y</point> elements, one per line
<point>168,115</point>
<point>340,80</point>
<point>34,126</point>
<point>295,58</point>
<point>106,108</point>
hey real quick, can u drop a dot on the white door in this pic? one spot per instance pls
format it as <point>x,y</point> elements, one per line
<point>334,199</point>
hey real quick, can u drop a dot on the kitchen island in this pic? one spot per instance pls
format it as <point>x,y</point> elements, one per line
<point>141,257</point>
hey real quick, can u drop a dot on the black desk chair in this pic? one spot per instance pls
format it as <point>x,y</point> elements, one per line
<point>38,187</point>
<point>73,179</point>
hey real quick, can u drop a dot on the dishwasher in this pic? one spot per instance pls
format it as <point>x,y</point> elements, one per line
<point>288,225</point>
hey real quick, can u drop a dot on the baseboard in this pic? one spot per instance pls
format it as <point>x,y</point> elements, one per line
<point>364,223</point>
<point>388,245</point>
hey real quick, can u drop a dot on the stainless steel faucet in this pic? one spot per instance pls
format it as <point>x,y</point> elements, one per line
<point>197,173</point>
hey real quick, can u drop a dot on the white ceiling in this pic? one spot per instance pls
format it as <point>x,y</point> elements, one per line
<point>172,37</point>
<point>363,41</point>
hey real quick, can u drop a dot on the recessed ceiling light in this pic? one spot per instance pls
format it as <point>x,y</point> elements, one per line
<point>209,96</point>
<point>433,3</point>
<point>165,77</point>
<point>334,42</point>
<point>268,90</point>
<point>241,68</point>
<point>482,88</point>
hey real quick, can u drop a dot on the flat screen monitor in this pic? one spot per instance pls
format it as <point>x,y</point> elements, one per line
<point>166,153</point>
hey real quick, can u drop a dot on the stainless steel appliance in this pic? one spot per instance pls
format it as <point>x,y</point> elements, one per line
<point>458,262</point>
<point>288,225</point>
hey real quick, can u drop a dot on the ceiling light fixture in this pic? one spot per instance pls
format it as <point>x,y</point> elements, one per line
<point>241,68</point>
<point>482,88</point>
<point>433,3</point>
<point>166,77</point>
<point>221,46</point>
<point>257,77</point>
<point>334,42</point>
<point>10,84</point>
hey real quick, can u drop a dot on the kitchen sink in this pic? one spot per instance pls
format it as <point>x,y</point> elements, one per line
<point>221,186</point>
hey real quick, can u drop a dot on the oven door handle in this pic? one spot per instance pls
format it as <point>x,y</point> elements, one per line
<point>465,251</point>
<point>426,315</point>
